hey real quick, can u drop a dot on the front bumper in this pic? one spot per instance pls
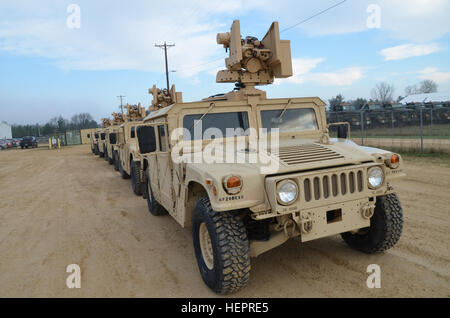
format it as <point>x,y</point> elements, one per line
<point>330,201</point>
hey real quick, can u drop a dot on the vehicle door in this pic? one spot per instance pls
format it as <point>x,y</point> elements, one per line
<point>148,146</point>
<point>165,165</point>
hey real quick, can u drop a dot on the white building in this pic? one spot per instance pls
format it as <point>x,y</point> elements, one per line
<point>5,130</point>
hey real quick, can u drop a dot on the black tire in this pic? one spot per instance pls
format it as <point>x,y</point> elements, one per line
<point>96,150</point>
<point>230,248</point>
<point>385,228</point>
<point>93,149</point>
<point>135,178</point>
<point>116,161</point>
<point>110,159</point>
<point>106,155</point>
<point>101,153</point>
<point>123,174</point>
<point>153,206</point>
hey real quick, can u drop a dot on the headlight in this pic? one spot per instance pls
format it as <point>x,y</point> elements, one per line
<point>375,177</point>
<point>287,192</point>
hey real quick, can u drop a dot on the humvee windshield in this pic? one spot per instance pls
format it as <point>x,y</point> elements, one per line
<point>220,121</point>
<point>293,120</point>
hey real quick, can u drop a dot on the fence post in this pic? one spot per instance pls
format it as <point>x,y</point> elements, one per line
<point>362,127</point>
<point>431,121</point>
<point>421,130</point>
<point>392,123</point>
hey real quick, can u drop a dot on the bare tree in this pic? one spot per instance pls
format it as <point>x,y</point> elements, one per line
<point>428,86</point>
<point>411,90</point>
<point>425,87</point>
<point>383,92</point>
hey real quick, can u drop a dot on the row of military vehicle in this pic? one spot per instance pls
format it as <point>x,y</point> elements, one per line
<point>377,115</point>
<point>247,173</point>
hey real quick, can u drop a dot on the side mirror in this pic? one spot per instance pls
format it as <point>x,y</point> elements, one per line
<point>342,131</point>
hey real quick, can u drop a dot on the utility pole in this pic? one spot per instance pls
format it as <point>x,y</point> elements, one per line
<point>121,103</point>
<point>165,46</point>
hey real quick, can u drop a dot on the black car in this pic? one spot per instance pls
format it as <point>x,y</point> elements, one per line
<point>28,141</point>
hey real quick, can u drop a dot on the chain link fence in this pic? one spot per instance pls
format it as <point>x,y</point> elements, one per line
<point>407,129</point>
<point>68,138</point>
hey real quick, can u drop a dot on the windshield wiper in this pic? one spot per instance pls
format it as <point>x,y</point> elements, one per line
<point>211,106</point>
<point>284,110</point>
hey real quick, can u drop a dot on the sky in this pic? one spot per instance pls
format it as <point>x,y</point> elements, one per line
<point>62,57</point>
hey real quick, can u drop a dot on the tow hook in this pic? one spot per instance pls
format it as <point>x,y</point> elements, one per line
<point>306,224</point>
<point>289,228</point>
<point>367,211</point>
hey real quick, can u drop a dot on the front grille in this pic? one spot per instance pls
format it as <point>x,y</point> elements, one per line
<point>295,155</point>
<point>332,185</point>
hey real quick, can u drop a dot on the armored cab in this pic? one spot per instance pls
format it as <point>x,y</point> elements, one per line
<point>101,143</point>
<point>93,138</point>
<point>126,144</point>
<point>111,139</point>
<point>246,173</point>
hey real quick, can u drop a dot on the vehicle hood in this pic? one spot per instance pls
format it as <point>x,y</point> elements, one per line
<point>291,156</point>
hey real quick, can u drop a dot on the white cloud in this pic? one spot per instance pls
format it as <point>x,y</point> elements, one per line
<point>302,68</point>
<point>432,73</point>
<point>411,20</point>
<point>344,77</point>
<point>405,51</point>
<point>120,35</point>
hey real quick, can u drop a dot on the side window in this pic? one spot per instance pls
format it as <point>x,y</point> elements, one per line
<point>89,136</point>
<point>162,138</point>
<point>146,139</point>
<point>112,138</point>
<point>133,132</point>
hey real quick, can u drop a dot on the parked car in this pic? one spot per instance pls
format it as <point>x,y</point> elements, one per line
<point>3,145</point>
<point>12,142</point>
<point>28,141</point>
<point>16,142</point>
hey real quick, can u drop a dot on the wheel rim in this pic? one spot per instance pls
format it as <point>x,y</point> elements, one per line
<point>206,246</point>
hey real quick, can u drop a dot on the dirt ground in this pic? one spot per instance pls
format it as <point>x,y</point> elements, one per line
<point>68,206</point>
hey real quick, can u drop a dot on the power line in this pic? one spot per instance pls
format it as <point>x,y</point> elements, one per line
<point>289,28</point>
<point>199,65</point>
<point>313,16</point>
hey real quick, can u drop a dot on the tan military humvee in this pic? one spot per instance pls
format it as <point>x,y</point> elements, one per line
<point>127,149</point>
<point>93,138</point>
<point>111,139</point>
<point>276,176</point>
<point>101,143</point>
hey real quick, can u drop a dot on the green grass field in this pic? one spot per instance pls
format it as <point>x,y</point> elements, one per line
<point>434,158</point>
